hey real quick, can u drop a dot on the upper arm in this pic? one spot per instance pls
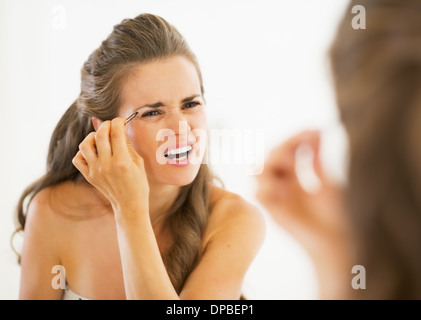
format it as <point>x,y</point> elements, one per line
<point>39,252</point>
<point>237,236</point>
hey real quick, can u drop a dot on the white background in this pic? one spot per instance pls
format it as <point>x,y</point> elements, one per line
<point>264,64</point>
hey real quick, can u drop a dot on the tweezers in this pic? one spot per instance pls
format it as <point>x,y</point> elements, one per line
<point>129,118</point>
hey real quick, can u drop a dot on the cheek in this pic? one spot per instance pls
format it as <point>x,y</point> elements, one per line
<point>199,133</point>
<point>199,121</point>
<point>143,139</point>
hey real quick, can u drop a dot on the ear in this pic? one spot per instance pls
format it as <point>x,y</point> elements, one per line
<point>96,123</point>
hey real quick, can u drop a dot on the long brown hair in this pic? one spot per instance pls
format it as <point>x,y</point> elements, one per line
<point>132,42</point>
<point>377,75</point>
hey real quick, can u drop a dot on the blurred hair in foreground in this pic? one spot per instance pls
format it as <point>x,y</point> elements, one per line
<point>377,77</point>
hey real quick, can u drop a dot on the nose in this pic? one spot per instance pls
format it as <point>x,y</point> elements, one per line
<point>178,124</point>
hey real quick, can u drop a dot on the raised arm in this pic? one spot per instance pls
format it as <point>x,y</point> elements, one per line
<point>109,163</point>
<point>317,219</point>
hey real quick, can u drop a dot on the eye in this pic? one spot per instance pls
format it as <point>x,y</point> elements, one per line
<point>191,105</point>
<point>151,113</point>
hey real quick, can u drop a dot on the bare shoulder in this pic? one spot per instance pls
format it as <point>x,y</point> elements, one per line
<point>40,213</point>
<point>69,200</point>
<point>43,218</point>
<point>233,237</point>
<point>55,209</point>
<point>44,232</point>
<point>229,205</point>
<point>234,216</point>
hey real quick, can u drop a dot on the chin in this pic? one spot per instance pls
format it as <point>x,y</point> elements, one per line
<point>177,176</point>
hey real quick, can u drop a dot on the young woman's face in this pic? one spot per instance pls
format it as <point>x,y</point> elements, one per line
<point>168,129</point>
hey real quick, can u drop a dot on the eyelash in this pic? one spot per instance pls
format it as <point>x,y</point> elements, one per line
<point>153,113</point>
<point>194,103</point>
<point>150,114</point>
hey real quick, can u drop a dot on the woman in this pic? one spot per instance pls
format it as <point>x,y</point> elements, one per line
<point>377,225</point>
<point>128,209</point>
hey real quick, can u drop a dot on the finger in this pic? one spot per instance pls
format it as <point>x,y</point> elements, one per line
<point>134,155</point>
<point>282,160</point>
<point>281,157</point>
<point>118,137</point>
<point>308,136</point>
<point>283,200</point>
<point>80,163</point>
<point>313,140</point>
<point>88,149</point>
<point>102,140</point>
<point>290,145</point>
<point>279,186</point>
<point>279,167</point>
<point>317,163</point>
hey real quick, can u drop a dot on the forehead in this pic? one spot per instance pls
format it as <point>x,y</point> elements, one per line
<point>160,80</point>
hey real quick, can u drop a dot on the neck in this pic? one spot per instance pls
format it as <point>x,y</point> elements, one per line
<point>161,198</point>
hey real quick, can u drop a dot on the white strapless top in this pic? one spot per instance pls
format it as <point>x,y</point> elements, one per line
<point>70,295</point>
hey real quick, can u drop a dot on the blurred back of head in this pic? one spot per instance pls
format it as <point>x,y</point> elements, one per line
<point>377,75</point>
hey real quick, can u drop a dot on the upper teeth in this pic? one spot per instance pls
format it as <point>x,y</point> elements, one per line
<point>179,150</point>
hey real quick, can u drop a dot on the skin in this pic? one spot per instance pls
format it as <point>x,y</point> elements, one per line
<point>316,219</point>
<point>111,242</point>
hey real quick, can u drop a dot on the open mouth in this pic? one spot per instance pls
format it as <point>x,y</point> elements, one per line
<point>178,154</point>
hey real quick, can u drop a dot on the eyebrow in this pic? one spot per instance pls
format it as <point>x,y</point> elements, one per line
<point>160,104</point>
